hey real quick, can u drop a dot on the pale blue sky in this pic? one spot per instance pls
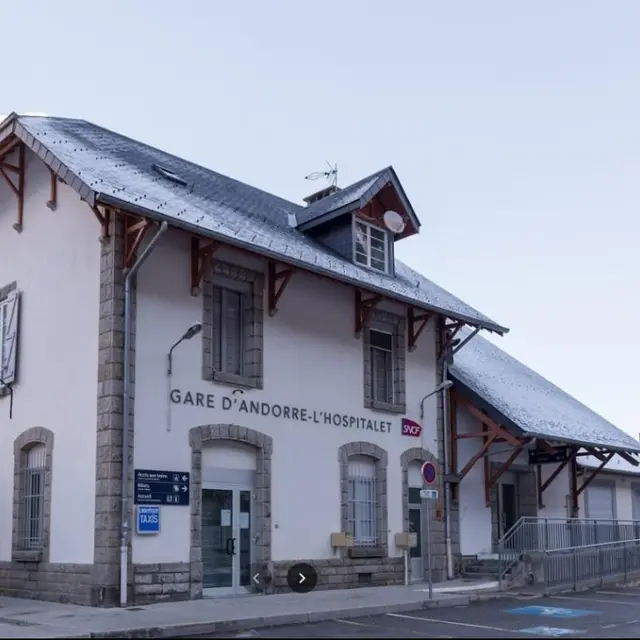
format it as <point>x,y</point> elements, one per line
<point>513,126</point>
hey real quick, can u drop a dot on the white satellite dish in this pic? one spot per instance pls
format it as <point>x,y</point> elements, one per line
<point>393,221</point>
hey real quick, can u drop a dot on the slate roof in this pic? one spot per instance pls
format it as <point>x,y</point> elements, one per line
<point>530,402</point>
<point>354,197</point>
<point>111,169</point>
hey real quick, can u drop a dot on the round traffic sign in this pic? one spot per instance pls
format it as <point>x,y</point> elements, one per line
<point>429,472</point>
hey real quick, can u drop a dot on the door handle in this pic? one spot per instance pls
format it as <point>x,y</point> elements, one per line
<point>233,546</point>
<point>230,550</point>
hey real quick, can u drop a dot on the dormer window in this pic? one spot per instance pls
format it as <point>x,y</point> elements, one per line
<point>371,248</point>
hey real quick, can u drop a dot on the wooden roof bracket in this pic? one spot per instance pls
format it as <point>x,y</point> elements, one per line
<point>416,323</point>
<point>52,203</point>
<point>134,230</point>
<point>277,282</point>
<point>103,217</point>
<point>363,308</point>
<point>18,186</point>
<point>593,474</point>
<point>506,465</point>
<point>543,486</point>
<point>201,258</point>
<point>449,332</point>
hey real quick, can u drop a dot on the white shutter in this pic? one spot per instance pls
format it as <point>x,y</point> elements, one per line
<point>233,347</point>
<point>9,311</point>
<point>600,502</point>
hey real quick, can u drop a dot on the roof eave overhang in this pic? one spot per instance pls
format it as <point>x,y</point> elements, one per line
<point>11,126</point>
<point>111,201</point>
<point>510,425</point>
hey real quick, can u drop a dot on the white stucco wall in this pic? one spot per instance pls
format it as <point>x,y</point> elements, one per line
<point>56,263</point>
<point>311,360</point>
<point>475,516</point>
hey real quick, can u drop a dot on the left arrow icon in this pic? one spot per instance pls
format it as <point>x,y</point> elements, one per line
<point>255,578</point>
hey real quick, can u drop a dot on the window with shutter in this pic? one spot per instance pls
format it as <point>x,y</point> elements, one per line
<point>229,330</point>
<point>385,362</point>
<point>381,365</point>
<point>9,308</point>
<point>362,501</point>
<point>232,320</point>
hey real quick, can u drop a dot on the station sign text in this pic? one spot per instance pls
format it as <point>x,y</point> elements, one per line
<point>236,403</point>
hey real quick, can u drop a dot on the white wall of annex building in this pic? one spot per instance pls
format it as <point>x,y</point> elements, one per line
<point>311,360</point>
<point>56,263</point>
<point>475,516</point>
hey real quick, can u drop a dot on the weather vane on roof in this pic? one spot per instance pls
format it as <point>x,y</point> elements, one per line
<point>331,176</point>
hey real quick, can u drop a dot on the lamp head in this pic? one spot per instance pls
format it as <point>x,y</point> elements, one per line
<point>192,331</point>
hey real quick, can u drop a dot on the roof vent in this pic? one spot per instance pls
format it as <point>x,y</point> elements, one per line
<point>292,220</point>
<point>169,175</point>
<point>323,193</point>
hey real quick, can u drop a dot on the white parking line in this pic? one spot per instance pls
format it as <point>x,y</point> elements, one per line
<point>599,600</point>
<point>357,624</point>
<point>451,622</point>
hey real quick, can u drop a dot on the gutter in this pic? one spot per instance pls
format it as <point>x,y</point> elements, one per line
<point>127,418</point>
<point>110,201</point>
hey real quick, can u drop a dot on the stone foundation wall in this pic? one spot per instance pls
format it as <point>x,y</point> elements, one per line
<point>163,582</point>
<point>54,582</point>
<point>344,573</point>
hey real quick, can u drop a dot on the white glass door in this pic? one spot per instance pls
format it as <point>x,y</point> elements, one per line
<point>226,540</point>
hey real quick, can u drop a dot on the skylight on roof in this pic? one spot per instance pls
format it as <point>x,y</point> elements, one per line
<point>169,175</point>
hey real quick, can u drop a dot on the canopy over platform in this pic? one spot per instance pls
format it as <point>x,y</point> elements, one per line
<point>517,406</point>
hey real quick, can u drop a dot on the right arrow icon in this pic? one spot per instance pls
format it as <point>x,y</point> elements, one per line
<point>302,578</point>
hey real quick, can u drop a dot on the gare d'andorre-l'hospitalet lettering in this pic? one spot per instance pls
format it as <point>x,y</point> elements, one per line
<point>235,402</point>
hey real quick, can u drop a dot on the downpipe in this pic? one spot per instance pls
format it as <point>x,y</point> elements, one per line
<point>126,411</point>
<point>447,486</point>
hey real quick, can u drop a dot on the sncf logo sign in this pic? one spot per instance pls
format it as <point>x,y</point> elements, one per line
<point>411,428</point>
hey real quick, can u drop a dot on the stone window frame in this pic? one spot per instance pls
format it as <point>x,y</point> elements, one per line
<point>26,440</point>
<point>4,293</point>
<point>261,529</point>
<point>394,324</point>
<point>381,460</point>
<point>235,277</point>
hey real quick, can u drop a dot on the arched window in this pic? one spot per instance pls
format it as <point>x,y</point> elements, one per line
<point>33,451</point>
<point>362,501</point>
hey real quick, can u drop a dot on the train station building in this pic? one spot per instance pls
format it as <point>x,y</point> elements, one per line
<point>268,356</point>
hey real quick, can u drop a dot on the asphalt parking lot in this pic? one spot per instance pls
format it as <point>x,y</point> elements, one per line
<point>604,613</point>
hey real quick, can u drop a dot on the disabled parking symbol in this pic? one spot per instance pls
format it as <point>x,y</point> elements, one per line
<point>551,612</point>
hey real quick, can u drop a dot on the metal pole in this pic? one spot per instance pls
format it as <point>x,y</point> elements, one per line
<point>429,578</point>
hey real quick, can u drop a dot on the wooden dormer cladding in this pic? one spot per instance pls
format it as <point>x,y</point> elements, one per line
<point>387,199</point>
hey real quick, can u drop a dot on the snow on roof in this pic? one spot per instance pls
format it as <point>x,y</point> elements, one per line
<point>119,171</point>
<point>530,401</point>
<point>615,465</point>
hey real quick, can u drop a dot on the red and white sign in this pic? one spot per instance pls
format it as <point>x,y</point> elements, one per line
<point>411,428</point>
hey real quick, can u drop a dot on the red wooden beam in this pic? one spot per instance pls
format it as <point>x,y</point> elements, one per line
<point>449,332</point>
<point>416,323</point>
<point>103,217</point>
<point>506,465</point>
<point>18,186</point>
<point>276,284</point>
<point>593,474</point>
<point>485,446</point>
<point>363,308</point>
<point>492,424</point>
<point>53,191</point>
<point>201,257</point>
<point>134,232</point>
